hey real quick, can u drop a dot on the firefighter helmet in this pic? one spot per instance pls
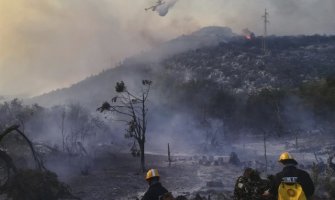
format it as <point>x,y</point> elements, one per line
<point>286,157</point>
<point>152,173</point>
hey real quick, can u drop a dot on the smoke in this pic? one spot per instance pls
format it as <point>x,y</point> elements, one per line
<point>52,44</point>
<point>299,116</point>
<point>47,44</point>
<point>180,130</point>
<point>164,8</point>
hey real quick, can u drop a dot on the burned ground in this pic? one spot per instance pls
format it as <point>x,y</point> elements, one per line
<point>118,176</point>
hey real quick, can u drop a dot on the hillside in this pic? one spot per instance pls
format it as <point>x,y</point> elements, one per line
<point>218,55</point>
<point>232,80</point>
<point>242,66</point>
<point>92,88</point>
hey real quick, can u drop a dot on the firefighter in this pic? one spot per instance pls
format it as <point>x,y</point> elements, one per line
<point>242,190</point>
<point>291,183</point>
<point>156,190</point>
<point>250,186</point>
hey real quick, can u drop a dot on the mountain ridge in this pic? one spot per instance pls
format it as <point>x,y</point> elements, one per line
<point>231,61</point>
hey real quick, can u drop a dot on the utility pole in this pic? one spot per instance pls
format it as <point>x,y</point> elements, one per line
<point>265,155</point>
<point>266,21</point>
<point>169,155</point>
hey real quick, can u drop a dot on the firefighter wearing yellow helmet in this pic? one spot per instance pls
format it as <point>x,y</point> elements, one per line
<point>287,157</point>
<point>156,190</point>
<point>292,183</point>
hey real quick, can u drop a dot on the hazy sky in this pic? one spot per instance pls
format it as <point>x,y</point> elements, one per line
<point>48,44</point>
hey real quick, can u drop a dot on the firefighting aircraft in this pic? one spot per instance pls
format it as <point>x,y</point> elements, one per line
<point>153,8</point>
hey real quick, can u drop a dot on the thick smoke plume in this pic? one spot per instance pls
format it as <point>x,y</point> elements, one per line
<point>48,44</point>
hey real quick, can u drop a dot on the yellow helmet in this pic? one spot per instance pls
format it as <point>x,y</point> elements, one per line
<point>286,156</point>
<point>152,173</point>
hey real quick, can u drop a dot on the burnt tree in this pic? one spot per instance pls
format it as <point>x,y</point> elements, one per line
<point>131,108</point>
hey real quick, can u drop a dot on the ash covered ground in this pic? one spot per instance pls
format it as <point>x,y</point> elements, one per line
<point>116,175</point>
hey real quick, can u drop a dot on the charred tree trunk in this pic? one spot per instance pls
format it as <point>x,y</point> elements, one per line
<point>144,129</point>
<point>141,145</point>
<point>265,154</point>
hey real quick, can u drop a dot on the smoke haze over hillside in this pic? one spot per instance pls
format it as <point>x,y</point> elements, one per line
<point>48,44</point>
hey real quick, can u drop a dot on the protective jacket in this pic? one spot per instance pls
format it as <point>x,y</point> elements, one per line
<point>250,189</point>
<point>155,191</point>
<point>243,189</point>
<point>299,176</point>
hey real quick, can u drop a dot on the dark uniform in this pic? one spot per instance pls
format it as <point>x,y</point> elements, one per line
<point>243,189</point>
<point>250,186</point>
<point>155,191</point>
<point>292,172</point>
